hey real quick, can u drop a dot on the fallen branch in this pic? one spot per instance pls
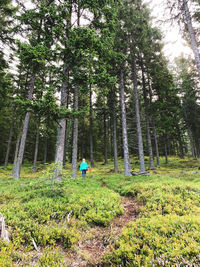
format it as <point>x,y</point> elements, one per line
<point>35,245</point>
<point>4,233</point>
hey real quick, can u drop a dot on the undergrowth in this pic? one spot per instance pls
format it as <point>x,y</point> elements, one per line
<point>166,232</point>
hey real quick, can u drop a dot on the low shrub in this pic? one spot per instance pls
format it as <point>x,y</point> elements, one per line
<point>164,199</point>
<point>148,241</point>
<point>51,258</point>
<point>98,207</point>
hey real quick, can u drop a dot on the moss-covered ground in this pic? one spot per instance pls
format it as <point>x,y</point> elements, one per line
<point>57,216</point>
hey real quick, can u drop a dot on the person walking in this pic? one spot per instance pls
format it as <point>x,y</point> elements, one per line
<point>83,168</point>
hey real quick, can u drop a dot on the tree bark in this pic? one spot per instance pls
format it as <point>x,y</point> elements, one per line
<point>153,121</point>
<point>127,168</point>
<point>114,137</point>
<point>137,112</point>
<point>191,142</point>
<point>180,143</point>
<point>192,35</point>
<point>61,130</point>
<point>105,138</point>
<point>196,140</point>
<point>75,135</point>
<point>45,152</point>
<point>156,144</point>
<point>17,145</point>
<point>9,144</point>
<point>65,146</point>
<point>36,147</point>
<point>64,100</point>
<point>151,163</point>
<point>16,171</point>
<point>91,130</point>
<point>166,154</point>
<point>46,143</point>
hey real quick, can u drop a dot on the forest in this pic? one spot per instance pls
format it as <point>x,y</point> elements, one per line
<point>90,79</point>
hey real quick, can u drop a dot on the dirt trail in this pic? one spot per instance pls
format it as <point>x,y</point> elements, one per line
<point>96,242</point>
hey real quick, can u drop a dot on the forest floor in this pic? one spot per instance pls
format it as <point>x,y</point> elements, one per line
<point>106,219</point>
<point>96,242</point>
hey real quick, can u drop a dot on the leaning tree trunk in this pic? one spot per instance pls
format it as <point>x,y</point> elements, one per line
<point>34,169</point>
<point>61,130</point>
<point>75,135</point>
<point>127,168</point>
<point>16,172</point>
<point>91,130</point>
<point>151,163</point>
<point>17,145</point>
<point>9,144</point>
<point>192,35</point>
<point>137,112</point>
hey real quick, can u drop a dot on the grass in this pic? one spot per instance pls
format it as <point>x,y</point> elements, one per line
<point>55,216</point>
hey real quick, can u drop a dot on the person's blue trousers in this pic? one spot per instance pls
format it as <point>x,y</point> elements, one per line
<point>84,173</point>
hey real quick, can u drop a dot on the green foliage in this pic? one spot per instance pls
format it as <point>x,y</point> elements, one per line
<point>51,258</point>
<point>34,212</point>
<point>6,255</point>
<point>98,207</point>
<point>167,230</point>
<point>164,199</point>
<point>160,240</point>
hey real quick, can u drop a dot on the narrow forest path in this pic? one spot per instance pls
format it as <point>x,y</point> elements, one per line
<point>96,242</point>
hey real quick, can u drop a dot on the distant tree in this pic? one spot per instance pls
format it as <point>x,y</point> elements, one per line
<point>180,11</point>
<point>188,89</point>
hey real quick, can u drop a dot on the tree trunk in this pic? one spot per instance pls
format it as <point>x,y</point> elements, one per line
<point>45,152</point>
<point>65,146</point>
<point>191,142</point>
<point>110,137</point>
<point>17,146</point>
<point>36,147</point>
<point>166,154</point>
<point>156,145</point>
<point>151,163</point>
<point>64,100</point>
<point>105,138</point>
<point>91,130</point>
<point>46,144</point>
<point>75,135</point>
<point>9,144</point>
<point>66,132</point>
<point>153,121</point>
<point>16,171</point>
<point>61,130</point>
<point>114,138</point>
<point>192,35</point>
<point>127,168</point>
<point>137,112</point>
<point>180,143</point>
<point>196,140</point>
